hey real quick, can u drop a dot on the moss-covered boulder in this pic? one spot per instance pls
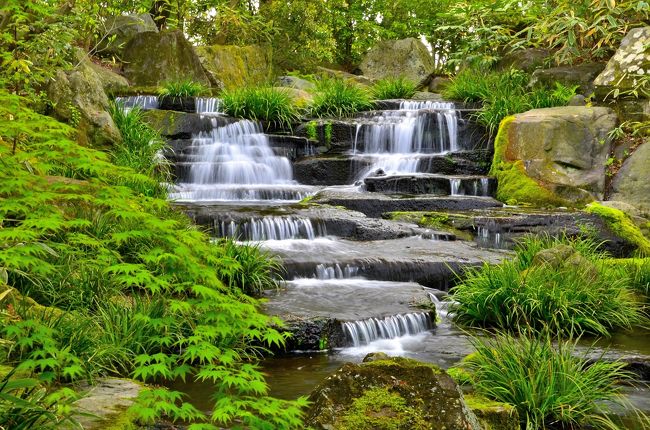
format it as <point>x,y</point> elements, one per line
<point>632,182</point>
<point>407,58</point>
<point>155,58</point>
<point>78,97</point>
<point>235,66</point>
<point>623,226</point>
<point>553,156</point>
<point>120,29</point>
<point>394,393</point>
<point>630,63</point>
<point>493,415</point>
<point>104,405</point>
<point>580,75</point>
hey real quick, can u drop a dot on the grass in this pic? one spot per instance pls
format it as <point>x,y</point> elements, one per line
<point>339,98</point>
<point>186,88</point>
<point>394,88</point>
<point>573,295</point>
<point>261,104</point>
<point>504,93</point>
<point>550,383</point>
<point>255,269</point>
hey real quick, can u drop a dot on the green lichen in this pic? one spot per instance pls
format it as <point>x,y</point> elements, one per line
<point>381,409</point>
<point>311,130</point>
<point>460,375</point>
<point>453,223</point>
<point>493,415</point>
<point>514,186</point>
<point>403,363</point>
<point>623,226</point>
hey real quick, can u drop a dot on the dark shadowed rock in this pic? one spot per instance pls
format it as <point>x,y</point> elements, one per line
<point>525,59</point>
<point>121,29</point>
<point>581,75</point>
<point>632,182</point>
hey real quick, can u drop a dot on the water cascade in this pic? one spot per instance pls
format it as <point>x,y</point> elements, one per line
<point>143,102</point>
<point>336,271</point>
<point>208,105</point>
<point>235,162</point>
<point>470,187</point>
<point>368,330</point>
<point>270,228</point>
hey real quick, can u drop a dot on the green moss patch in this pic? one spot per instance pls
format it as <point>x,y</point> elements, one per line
<point>622,225</point>
<point>493,415</point>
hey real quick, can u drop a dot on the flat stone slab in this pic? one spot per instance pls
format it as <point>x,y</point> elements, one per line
<point>107,401</point>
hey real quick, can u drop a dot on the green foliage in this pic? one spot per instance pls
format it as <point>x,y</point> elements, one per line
<point>573,296</point>
<point>262,104</point>
<point>185,88</point>
<point>256,269</point>
<point>393,88</point>
<point>549,383</point>
<point>141,148</point>
<point>339,98</point>
<point>503,94</point>
<point>61,203</point>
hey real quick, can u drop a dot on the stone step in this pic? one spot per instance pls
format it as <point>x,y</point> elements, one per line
<point>432,184</point>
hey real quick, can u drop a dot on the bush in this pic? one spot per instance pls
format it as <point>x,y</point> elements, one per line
<point>393,88</point>
<point>551,385</point>
<point>574,296</point>
<point>186,88</point>
<point>261,104</point>
<point>339,98</point>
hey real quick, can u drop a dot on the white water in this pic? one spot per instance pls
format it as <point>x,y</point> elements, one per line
<point>208,105</point>
<point>335,271</point>
<point>272,228</point>
<point>237,163</point>
<point>143,102</point>
<point>369,330</point>
<point>395,141</point>
<point>489,238</point>
<point>477,187</point>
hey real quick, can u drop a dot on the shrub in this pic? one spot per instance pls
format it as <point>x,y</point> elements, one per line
<point>550,384</point>
<point>186,88</point>
<point>339,98</point>
<point>575,296</point>
<point>261,104</point>
<point>393,88</point>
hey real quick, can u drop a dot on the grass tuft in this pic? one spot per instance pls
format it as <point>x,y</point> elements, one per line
<point>394,88</point>
<point>261,104</point>
<point>339,98</point>
<point>186,88</point>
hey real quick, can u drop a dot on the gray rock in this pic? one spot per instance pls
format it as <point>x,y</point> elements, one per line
<point>581,75</point>
<point>427,397</point>
<point>577,100</point>
<point>106,402</point>
<point>338,74</point>
<point>235,66</point>
<point>630,62</point>
<point>439,83</point>
<point>525,59</point>
<point>407,58</point>
<point>295,82</point>
<point>155,58</point>
<point>632,182</point>
<point>181,125</point>
<point>119,30</point>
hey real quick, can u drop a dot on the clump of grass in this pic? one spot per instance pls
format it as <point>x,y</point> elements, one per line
<point>185,88</point>
<point>504,93</point>
<point>549,383</point>
<point>394,88</point>
<point>339,98</point>
<point>571,297</point>
<point>255,270</point>
<point>261,104</point>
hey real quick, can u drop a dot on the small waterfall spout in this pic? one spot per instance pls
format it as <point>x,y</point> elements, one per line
<point>365,331</point>
<point>470,186</point>
<point>271,228</point>
<point>208,105</point>
<point>143,102</point>
<point>336,271</point>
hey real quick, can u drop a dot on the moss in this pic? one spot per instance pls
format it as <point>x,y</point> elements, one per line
<point>403,363</point>
<point>454,223</point>
<point>381,409</point>
<point>622,225</point>
<point>514,186</point>
<point>460,375</point>
<point>493,415</point>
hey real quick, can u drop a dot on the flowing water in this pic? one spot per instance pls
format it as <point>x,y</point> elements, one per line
<point>142,102</point>
<point>208,105</point>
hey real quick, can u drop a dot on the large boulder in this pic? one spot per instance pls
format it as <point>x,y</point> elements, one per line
<point>632,182</point>
<point>407,58</point>
<point>581,75</point>
<point>389,393</point>
<point>155,58</point>
<point>78,98</point>
<point>235,66</point>
<point>119,30</point>
<point>525,59</point>
<point>630,63</point>
<point>553,156</point>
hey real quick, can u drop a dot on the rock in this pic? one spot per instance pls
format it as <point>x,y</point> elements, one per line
<point>582,75</point>
<point>312,334</point>
<point>105,404</point>
<point>295,82</point>
<point>121,29</point>
<point>235,66</point>
<point>409,184</point>
<point>525,59</point>
<point>376,356</point>
<point>553,156</point>
<point>181,125</point>
<point>632,182</point>
<point>553,257</point>
<point>493,415</point>
<point>324,170</point>
<point>439,83</point>
<point>397,393</point>
<point>155,58</point>
<point>577,100</point>
<point>112,82</point>
<point>630,62</point>
<point>301,98</point>
<point>634,110</point>
<point>338,74</point>
<point>407,58</point>
<point>78,98</point>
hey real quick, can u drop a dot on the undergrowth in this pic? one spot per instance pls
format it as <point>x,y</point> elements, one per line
<point>261,104</point>
<point>339,98</point>
<point>393,88</point>
<point>183,88</point>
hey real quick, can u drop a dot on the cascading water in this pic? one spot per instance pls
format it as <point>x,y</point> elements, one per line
<point>143,102</point>
<point>395,141</point>
<point>470,187</point>
<point>368,330</point>
<point>235,162</point>
<point>336,271</point>
<point>208,105</point>
<point>271,228</point>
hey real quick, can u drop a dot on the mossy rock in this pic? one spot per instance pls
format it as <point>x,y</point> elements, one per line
<point>622,225</point>
<point>235,66</point>
<point>176,125</point>
<point>106,405</point>
<point>404,393</point>
<point>493,415</point>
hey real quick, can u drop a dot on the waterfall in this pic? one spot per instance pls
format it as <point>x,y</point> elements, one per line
<point>395,141</point>
<point>143,102</point>
<point>236,162</point>
<point>365,331</point>
<point>486,237</point>
<point>336,272</point>
<point>207,105</point>
<point>271,228</point>
<point>470,186</point>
